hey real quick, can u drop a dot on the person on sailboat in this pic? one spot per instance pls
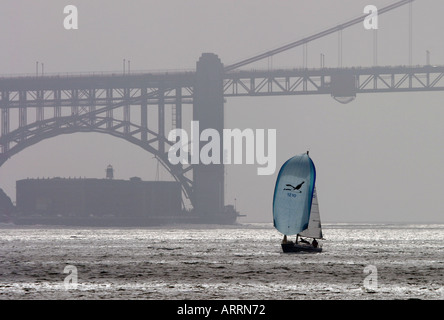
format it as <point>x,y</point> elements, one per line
<point>284,241</point>
<point>314,243</point>
<point>304,241</point>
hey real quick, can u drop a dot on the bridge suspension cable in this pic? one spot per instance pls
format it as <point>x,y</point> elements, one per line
<point>410,33</point>
<point>314,37</point>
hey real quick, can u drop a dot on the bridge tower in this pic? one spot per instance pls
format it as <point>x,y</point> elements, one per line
<point>208,109</point>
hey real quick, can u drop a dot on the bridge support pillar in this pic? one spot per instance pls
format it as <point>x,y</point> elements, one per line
<point>161,120</point>
<point>144,115</point>
<point>208,109</point>
<point>5,120</point>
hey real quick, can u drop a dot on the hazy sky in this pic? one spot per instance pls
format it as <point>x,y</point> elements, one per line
<point>378,158</point>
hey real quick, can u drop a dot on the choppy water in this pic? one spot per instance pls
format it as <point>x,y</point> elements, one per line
<point>213,262</point>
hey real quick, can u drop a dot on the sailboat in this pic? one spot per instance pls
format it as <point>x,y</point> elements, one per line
<point>295,205</point>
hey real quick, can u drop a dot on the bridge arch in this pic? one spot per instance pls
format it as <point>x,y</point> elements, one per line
<point>24,137</point>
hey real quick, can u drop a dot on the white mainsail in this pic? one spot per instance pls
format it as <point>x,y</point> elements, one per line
<point>314,229</point>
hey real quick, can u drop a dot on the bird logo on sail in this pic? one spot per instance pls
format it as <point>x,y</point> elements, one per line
<point>290,187</point>
<point>293,189</point>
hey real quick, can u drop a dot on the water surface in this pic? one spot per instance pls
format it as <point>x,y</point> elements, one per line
<point>221,262</point>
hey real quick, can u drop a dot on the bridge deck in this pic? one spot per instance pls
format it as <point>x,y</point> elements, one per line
<point>241,83</point>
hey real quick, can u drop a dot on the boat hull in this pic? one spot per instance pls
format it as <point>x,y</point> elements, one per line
<point>292,247</point>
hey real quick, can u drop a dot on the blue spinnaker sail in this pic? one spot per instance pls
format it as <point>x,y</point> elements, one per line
<point>293,195</point>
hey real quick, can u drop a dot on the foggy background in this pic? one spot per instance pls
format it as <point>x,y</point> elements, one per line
<point>378,159</point>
